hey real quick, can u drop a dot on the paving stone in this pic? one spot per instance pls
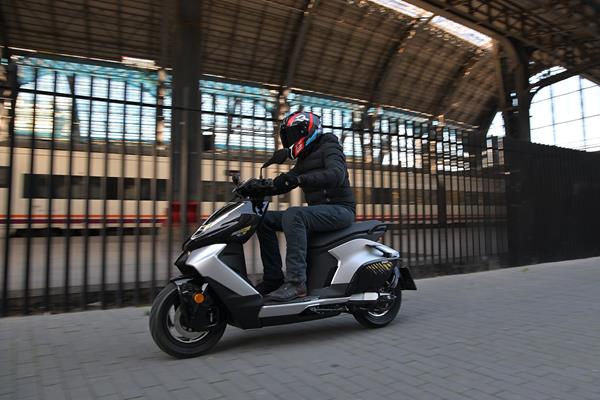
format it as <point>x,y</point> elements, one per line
<point>498,335</point>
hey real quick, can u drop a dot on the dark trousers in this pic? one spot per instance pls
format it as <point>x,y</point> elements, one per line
<point>296,223</point>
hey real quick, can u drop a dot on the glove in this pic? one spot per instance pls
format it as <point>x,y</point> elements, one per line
<point>250,189</point>
<point>285,182</point>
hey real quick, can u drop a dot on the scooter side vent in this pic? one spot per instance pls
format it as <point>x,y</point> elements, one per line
<point>372,276</point>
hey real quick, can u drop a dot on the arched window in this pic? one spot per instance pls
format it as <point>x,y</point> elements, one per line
<point>565,114</point>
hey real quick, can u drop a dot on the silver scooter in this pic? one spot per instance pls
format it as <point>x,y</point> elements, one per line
<point>348,271</point>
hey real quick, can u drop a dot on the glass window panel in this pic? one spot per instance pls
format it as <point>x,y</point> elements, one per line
<point>591,101</point>
<point>43,118</point>
<point>117,90</point>
<point>540,114</point>
<point>149,94</point>
<point>83,85</point>
<point>570,134</point>
<point>497,126</point>
<point>565,86</point>
<point>100,88</point>
<point>26,76</point>
<point>543,135</point>
<point>133,92</point>
<point>592,133</point>
<point>543,94</point>
<point>45,80</point>
<point>62,118</point>
<point>567,107</point>
<point>62,84</point>
<point>24,114</point>
<point>585,83</point>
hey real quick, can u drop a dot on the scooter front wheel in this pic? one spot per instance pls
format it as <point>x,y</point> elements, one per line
<point>170,333</point>
<point>377,316</point>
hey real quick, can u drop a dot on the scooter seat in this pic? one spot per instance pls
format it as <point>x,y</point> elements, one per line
<point>370,229</point>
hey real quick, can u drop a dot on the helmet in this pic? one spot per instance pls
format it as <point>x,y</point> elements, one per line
<point>298,130</point>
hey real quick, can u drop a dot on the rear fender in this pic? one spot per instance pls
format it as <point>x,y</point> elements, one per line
<point>407,282</point>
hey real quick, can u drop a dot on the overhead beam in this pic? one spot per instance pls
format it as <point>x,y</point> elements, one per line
<point>293,57</point>
<point>502,23</point>
<point>290,66</point>
<point>385,68</point>
<point>4,33</point>
<point>453,83</point>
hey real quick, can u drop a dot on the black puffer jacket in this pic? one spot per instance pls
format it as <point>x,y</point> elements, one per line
<point>323,173</point>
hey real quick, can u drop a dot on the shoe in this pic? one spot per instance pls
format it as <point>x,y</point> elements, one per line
<point>289,291</point>
<point>267,286</point>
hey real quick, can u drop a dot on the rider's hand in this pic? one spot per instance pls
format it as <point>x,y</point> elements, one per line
<point>285,182</point>
<point>248,189</point>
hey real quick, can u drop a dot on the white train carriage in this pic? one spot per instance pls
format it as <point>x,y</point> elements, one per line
<point>405,197</point>
<point>34,186</point>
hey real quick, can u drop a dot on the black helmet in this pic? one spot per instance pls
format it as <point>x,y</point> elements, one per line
<point>298,130</point>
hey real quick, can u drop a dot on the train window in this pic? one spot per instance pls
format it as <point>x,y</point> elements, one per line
<point>112,188</point>
<point>145,186</point>
<point>36,187</point>
<point>129,189</point>
<point>77,187</point>
<point>161,189</point>
<point>3,177</point>
<point>95,188</point>
<point>410,196</point>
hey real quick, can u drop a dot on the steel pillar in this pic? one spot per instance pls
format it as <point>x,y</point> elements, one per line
<point>186,135</point>
<point>512,71</point>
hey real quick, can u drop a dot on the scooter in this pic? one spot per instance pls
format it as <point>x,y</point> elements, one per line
<point>349,271</point>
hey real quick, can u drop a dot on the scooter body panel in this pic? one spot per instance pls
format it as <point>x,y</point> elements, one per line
<point>207,263</point>
<point>352,255</point>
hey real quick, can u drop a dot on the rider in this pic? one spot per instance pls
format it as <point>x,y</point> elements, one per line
<point>321,173</point>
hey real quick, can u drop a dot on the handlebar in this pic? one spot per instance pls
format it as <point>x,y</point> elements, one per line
<point>255,187</point>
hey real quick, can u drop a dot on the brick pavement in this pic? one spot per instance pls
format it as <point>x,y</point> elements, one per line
<point>521,333</point>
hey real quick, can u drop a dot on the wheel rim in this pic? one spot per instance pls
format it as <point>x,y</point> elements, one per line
<point>378,314</point>
<point>178,331</point>
<point>381,311</point>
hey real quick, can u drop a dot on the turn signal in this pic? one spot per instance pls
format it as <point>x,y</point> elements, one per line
<point>199,298</point>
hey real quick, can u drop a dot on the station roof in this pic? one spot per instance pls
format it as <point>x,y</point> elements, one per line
<point>378,52</point>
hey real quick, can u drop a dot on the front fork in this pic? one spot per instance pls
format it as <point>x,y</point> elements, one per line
<point>198,308</point>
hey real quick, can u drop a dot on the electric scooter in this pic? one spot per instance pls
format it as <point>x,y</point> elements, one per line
<point>349,271</point>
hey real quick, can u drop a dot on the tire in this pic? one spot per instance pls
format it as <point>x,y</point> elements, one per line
<point>163,326</point>
<point>372,319</point>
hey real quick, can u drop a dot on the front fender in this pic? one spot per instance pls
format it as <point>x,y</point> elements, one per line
<point>207,264</point>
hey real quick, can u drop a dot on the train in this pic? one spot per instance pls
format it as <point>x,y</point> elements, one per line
<point>112,189</point>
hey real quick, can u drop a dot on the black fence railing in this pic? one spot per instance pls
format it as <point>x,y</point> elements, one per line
<point>553,203</point>
<point>91,216</point>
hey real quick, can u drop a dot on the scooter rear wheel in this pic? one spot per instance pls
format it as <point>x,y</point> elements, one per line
<point>170,333</point>
<point>379,317</point>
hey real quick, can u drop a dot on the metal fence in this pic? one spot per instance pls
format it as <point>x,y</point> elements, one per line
<point>553,197</point>
<point>92,217</point>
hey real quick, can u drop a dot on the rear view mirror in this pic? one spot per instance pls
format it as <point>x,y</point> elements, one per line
<point>278,157</point>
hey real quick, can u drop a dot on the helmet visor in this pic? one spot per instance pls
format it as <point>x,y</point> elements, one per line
<point>291,134</point>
